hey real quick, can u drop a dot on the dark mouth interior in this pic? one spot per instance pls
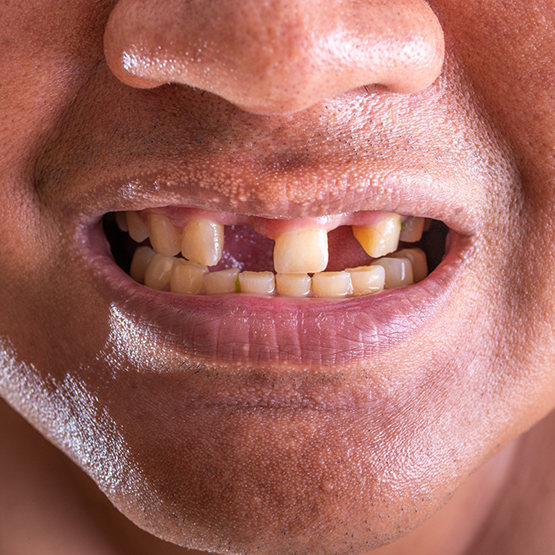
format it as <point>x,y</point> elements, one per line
<point>247,250</point>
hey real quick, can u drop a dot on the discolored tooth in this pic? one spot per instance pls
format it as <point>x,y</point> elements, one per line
<point>417,258</point>
<point>224,281</point>
<point>121,220</point>
<point>412,229</point>
<point>398,272</point>
<point>302,251</point>
<point>331,284</point>
<point>367,279</point>
<point>138,230</point>
<point>139,263</point>
<point>159,271</point>
<point>293,285</point>
<point>381,238</point>
<point>261,283</point>
<point>163,235</point>
<point>203,242</point>
<point>187,277</point>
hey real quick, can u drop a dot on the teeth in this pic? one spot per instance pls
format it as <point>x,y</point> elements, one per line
<point>140,262</point>
<point>417,259</point>
<point>121,220</point>
<point>293,285</point>
<point>261,283</point>
<point>224,281</point>
<point>159,271</point>
<point>138,230</point>
<point>381,238</point>
<point>331,284</point>
<point>163,235</point>
<point>203,242</point>
<point>412,229</point>
<point>296,254</point>
<point>303,251</point>
<point>367,279</point>
<point>187,277</point>
<point>398,272</point>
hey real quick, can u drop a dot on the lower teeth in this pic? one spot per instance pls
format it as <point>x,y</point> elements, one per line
<point>175,274</point>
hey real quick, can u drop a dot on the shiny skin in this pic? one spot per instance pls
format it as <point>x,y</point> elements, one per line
<point>267,456</point>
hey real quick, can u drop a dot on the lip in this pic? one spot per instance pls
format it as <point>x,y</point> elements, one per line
<point>256,330</point>
<point>408,192</point>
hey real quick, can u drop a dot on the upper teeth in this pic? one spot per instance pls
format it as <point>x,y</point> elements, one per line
<point>203,242</point>
<point>302,251</point>
<point>381,238</point>
<point>297,253</point>
<point>164,238</point>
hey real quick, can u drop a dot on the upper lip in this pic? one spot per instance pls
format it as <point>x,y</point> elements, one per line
<point>215,157</point>
<point>413,196</point>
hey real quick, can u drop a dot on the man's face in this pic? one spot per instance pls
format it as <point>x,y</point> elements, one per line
<point>278,423</point>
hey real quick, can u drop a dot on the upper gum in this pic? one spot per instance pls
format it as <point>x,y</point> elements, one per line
<point>271,228</point>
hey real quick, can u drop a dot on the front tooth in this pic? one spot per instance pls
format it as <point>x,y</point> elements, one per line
<point>187,277</point>
<point>140,262</point>
<point>159,271</point>
<point>381,238</point>
<point>412,229</point>
<point>203,242</point>
<point>293,285</point>
<point>398,272</point>
<point>138,230</point>
<point>163,235</point>
<point>331,284</point>
<point>303,251</point>
<point>367,279</point>
<point>261,283</point>
<point>417,258</point>
<point>224,281</point>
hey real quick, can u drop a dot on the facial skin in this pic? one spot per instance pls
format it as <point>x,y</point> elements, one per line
<point>198,426</point>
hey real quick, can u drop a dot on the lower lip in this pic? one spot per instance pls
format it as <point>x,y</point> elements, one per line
<point>254,329</point>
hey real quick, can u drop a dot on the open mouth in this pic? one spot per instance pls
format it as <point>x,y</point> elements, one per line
<point>193,252</point>
<point>228,287</point>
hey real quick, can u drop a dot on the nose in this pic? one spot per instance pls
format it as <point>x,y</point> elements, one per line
<point>275,56</point>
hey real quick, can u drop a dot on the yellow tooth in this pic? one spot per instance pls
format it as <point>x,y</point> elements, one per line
<point>303,251</point>
<point>140,262</point>
<point>163,235</point>
<point>203,242</point>
<point>412,229</point>
<point>293,285</point>
<point>331,284</point>
<point>224,281</point>
<point>262,283</point>
<point>159,271</point>
<point>121,220</point>
<point>417,258</point>
<point>381,238</point>
<point>398,272</point>
<point>187,277</point>
<point>367,279</point>
<point>138,230</point>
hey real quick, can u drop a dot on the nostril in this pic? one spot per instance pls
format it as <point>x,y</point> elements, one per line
<point>275,57</point>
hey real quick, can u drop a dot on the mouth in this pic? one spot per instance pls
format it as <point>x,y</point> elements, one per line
<point>225,287</point>
<point>198,252</point>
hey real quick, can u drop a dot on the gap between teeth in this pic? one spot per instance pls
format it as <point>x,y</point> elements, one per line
<point>297,253</point>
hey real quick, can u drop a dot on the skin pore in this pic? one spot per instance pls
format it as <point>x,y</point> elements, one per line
<point>205,421</point>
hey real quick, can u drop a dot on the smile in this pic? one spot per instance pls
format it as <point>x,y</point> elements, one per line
<point>225,287</point>
<point>194,252</point>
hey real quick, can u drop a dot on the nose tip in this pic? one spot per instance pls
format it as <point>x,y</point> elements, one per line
<point>278,56</point>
